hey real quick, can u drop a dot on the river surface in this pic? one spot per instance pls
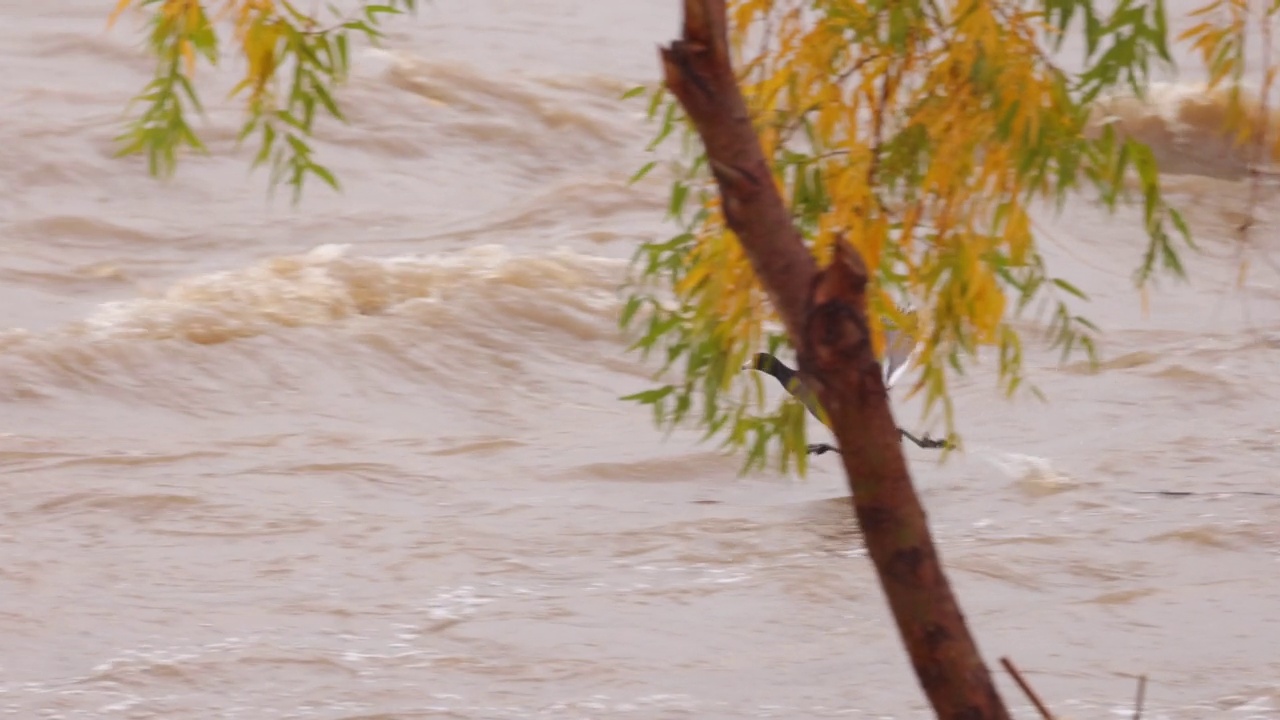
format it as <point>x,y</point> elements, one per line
<point>364,458</point>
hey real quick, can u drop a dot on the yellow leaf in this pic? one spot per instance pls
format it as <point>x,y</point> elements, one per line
<point>1195,31</point>
<point>188,55</point>
<point>1017,234</point>
<point>1205,9</point>
<point>120,7</point>
<point>172,9</point>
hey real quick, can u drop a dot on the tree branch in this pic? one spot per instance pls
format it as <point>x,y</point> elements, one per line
<point>699,74</point>
<point>825,317</point>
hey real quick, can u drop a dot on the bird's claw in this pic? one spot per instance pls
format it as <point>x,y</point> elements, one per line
<point>925,441</point>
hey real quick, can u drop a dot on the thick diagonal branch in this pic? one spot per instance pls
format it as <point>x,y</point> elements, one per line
<point>699,74</point>
<point>825,316</point>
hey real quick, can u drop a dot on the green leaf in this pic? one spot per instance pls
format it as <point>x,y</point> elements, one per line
<point>322,94</point>
<point>289,119</point>
<point>679,193</point>
<point>642,172</point>
<point>373,11</point>
<point>371,33</point>
<point>1068,287</point>
<point>344,55</point>
<point>324,174</point>
<point>190,92</point>
<point>298,145</point>
<point>649,397</point>
<point>268,142</point>
<point>248,128</point>
<point>629,311</point>
<point>655,101</point>
<point>668,124</point>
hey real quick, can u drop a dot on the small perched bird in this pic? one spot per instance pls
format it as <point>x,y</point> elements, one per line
<point>900,353</point>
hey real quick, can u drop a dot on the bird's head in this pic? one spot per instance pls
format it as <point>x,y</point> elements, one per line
<point>761,361</point>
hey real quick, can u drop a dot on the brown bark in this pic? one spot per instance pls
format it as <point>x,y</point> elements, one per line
<point>698,72</point>
<point>825,316</point>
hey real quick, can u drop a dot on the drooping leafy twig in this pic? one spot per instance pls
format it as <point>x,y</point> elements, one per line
<point>924,131</point>
<point>281,108</point>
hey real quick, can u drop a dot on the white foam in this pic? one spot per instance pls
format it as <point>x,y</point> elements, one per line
<point>328,285</point>
<point>1031,470</point>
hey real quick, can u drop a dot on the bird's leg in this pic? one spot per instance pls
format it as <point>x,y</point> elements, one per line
<point>924,442</point>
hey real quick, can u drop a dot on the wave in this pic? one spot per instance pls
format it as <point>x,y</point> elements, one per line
<point>411,106</point>
<point>327,285</point>
<point>1186,126</point>
<point>486,305</point>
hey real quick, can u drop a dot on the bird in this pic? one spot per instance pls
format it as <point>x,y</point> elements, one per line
<point>900,353</point>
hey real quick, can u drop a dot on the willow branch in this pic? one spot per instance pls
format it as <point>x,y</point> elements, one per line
<point>825,316</point>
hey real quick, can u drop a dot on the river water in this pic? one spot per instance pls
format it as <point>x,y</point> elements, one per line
<point>365,459</point>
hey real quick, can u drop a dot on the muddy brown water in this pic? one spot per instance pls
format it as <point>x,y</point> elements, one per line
<point>365,458</point>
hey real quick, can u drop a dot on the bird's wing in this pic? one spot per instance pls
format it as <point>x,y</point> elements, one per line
<point>899,353</point>
<point>805,395</point>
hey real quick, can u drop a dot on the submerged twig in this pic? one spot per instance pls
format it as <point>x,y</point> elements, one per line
<point>1261,148</point>
<point>1142,696</point>
<point>1026,689</point>
<point>1192,493</point>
